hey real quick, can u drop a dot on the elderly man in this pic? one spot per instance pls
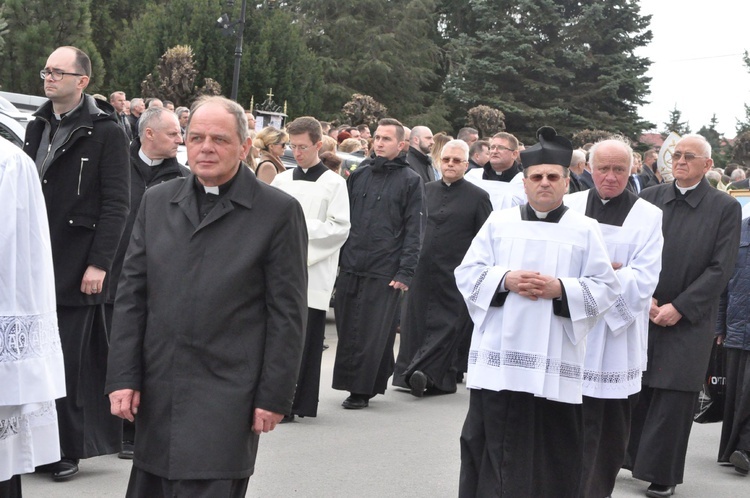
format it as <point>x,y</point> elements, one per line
<point>183,114</point>
<point>418,157</point>
<point>325,202</point>
<point>152,161</point>
<point>695,270</point>
<point>81,154</point>
<point>434,318</point>
<point>535,280</point>
<point>137,106</point>
<point>377,263</point>
<point>497,175</point>
<point>615,348</point>
<point>118,100</point>
<point>214,281</point>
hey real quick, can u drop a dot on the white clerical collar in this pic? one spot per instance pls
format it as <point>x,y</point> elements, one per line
<point>685,189</point>
<point>604,201</point>
<point>147,160</point>
<point>541,214</point>
<point>211,190</point>
<point>304,170</point>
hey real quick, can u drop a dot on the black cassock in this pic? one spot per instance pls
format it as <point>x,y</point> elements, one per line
<point>434,315</point>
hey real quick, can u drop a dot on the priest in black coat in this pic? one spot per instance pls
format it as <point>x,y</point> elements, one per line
<point>209,318</point>
<point>701,227</point>
<point>435,317</point>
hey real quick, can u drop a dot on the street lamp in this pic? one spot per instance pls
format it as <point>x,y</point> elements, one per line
<point>227,27</point>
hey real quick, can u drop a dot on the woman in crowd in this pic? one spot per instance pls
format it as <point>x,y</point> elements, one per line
<point>271,143</point>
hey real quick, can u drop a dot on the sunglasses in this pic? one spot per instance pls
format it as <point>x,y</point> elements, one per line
<point>551,177</point>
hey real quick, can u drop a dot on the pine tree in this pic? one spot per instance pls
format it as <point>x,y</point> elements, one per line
<point>35,29</point>
<point>674,123</point>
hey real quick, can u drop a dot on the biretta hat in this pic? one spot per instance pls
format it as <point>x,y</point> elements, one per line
<point>551,149</point>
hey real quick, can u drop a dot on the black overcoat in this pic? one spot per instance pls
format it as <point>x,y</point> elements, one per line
<point>86,187</point>
<point>209,324</point>
<point>701,239</point>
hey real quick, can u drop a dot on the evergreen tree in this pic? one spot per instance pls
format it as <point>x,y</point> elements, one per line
<point>744,125</point>
<point>382,48</point>
<point>719,149</point>
<point>565,63</point>
<point>35,29</point>
<point>674,123</point>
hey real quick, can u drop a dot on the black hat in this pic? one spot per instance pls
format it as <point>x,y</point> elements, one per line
<point>551,149</point>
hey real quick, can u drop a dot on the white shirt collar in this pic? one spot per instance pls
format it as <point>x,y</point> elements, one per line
<point>147,160</point>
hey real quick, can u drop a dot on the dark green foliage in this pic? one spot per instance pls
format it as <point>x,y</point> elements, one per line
<point>674,124</point>
<point>35,29</point>
<point>584,137</point>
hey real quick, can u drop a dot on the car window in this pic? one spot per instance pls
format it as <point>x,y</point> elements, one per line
<point>7,134</point>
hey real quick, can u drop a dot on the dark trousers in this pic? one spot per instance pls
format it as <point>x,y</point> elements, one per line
<point>606,431</point>
<point>659,435</point>
<point>87,428</point>
<point>735,429</point>
<point>308,381</point>
<point>143,484</point>
<point>11,488</point>
<point>517,445</point>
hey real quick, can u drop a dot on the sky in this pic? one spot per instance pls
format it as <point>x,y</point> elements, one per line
<point>696,55</point>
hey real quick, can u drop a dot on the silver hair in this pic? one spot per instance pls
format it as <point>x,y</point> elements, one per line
<point>620,140</point>
<point>704,143</point>
<point>457,144</point>
<point>181,110</point>
<point>578,156</point>
<point>149,118</point>
<point>230,106</point>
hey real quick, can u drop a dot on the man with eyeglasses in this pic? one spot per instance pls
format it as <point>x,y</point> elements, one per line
<point>434,319</point>
<point>325,202</point>
<point>535,280</point>
<point>499,176</point>
<point>615,349</point>
<point>695,271</point>
<point>82,157</point>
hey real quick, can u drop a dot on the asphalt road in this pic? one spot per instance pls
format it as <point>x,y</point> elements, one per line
<point>400,446</point>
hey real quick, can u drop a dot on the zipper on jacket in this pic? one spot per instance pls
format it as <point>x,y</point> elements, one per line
<point>80,173</point>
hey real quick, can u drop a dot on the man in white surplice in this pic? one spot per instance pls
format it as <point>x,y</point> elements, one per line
<point>32,374</point>
<point>616,348</point>
<point>536,279</point>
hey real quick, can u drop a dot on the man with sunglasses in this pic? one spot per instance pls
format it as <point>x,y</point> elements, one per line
<point>615,349</point>
<point>81,154</point>
<point>695,270</point>
<point>535,279</point>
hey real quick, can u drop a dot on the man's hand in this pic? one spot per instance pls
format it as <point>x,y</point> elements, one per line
<point>398,285</point>
<point>616,266</point>
<point>667,316</point>
<point>653,310</point>
<point>720,339</point>
<point>532,285</point>
<point>93,280</point>
<point>124,403</point>
<point>265,421</point>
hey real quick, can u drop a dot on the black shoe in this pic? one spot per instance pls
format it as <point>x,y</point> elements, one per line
<point>127,451</point>
<point>64,469</point>
<point>459,377</point>
<point>418,383</point>
<point>741,461</point>
<point>287,419</point>
<point>325,346</point>
<point>355,402</point>
<point>660,490</point>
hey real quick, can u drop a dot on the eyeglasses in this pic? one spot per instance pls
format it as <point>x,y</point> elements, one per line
<point>283,144</point>
<point>689,156</point>
<point>57,75</point>
<point>551,177</point>
<point>500,147</point>
<point>301,148</point>
<point>451,160</point>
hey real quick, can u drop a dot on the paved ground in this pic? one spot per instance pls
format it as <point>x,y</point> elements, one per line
<point>400,446</point>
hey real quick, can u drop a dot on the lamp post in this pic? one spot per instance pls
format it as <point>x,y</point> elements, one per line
<point>228,29</point>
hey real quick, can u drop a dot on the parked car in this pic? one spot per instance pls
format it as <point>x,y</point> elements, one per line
<point>13,122</point>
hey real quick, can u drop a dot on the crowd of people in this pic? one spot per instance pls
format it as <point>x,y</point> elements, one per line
<point>567,288</point>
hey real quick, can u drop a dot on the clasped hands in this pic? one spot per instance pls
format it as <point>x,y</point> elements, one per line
<point>664,316</point>
<point>532,284</point>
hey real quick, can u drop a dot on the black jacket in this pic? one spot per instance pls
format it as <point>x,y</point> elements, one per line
<point>141,179</point>
<point>421,164</point>
<point>387,208</point>
<point>86,182</point>
<point>734,305</point>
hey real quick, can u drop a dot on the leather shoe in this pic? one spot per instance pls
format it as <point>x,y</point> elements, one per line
<point>355,403</point>
<point>741,461</point>
<point>64,469</point>
<point>418,383</point>
<point>660,490</point>
<point>287,419</point>
<point>127,451</point>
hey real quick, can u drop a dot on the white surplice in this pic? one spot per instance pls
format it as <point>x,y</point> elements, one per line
<point>616,348</point>
<point>502,194</point>
<point>522,345</point>
<point>31,364</point>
